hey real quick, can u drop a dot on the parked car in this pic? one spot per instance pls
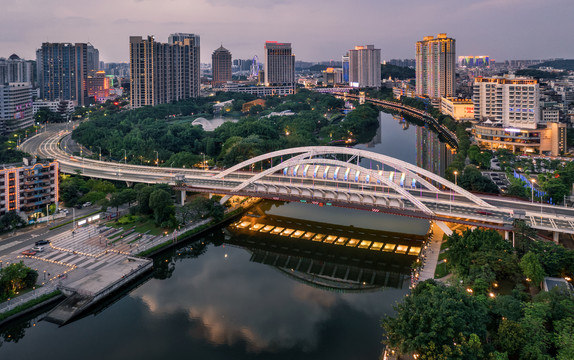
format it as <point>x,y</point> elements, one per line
<point>28,252</point>
<point>86,204</point>
<point>42,242</point>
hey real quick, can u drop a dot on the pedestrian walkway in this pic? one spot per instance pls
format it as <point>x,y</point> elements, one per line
<point>429,255</point>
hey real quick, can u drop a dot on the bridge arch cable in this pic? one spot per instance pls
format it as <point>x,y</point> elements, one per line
<point>375,175</point>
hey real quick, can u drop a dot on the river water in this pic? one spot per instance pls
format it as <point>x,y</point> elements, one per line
<point>239,293</point>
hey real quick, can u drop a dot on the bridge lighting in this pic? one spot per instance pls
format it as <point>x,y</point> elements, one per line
<point>455,174</point>
<point>532,188</point>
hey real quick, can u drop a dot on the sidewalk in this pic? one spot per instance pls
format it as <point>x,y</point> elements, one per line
<point>430,254</point>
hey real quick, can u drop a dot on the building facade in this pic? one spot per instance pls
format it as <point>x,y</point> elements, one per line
<point>16,70</point>
<point>15,107</point>
<point>458,109</point>
<point>279,64</point>
<point>365,67</point>
<point>161,73</point>
<point>28,187</point>
<point>510,100</point>
<point>98,86</point>
<point>63,69</point>
<point>548,139</point>
<point>435,66</point>
<point>220,66</point>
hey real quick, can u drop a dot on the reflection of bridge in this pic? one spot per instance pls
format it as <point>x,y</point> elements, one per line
<point>328,176</point>
<point>333,257</point>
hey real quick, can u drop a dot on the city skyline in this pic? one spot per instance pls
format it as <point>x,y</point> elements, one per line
<point>515,29</point>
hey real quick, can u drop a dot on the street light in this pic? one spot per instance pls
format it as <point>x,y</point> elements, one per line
<point>125,157</point>
<point>203,161</point>
<point>157,158</point>
<point>455,174</point>
<point>532,181</point>
<point>100,152</point>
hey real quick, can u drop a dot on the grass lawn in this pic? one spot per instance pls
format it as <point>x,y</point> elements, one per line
<point>145,225</point>
<point>441,271</point>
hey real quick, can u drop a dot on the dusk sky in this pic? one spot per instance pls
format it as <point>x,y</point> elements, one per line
<point>317,29</point>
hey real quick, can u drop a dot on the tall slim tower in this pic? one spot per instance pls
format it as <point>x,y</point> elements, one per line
<point>161,73</point>
<point>365,66</point>
<point>279,64</point>
<point>221,66</point>
<point>435,66</point>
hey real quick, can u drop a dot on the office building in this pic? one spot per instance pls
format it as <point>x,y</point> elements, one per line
<point>63,69</point>
<point>345,62</point>
<point>365,67</point>
<point>15,107</point>
<point>98,86</point>
<point>332,76</point>
<point>474,61</point>
<point>435,67</point>
<point>458,109</point>
<point>28,187</point>
<point>161,73</point>
<point>510,100</point>
<point>16,70</point>
<point>549,138</point>
<point>279,64</point>
<point>220,66</point>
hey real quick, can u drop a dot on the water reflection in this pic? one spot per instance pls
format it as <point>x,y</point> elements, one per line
<point>243,292</point>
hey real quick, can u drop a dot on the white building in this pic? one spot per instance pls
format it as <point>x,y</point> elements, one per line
<point>15,107</point>
<point>53,105</point>
<point>365,67</point>
<point>511,100</point>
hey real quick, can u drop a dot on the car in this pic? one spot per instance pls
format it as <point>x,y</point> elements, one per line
<point>42,242</point>
<point>39,248</point>
<point>86,204</point>
<point>29,252</point>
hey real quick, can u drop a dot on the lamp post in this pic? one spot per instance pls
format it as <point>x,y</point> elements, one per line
<point>156,158</point>
<point>125,157</point>
<point>455,180</point>
<point>203,161</point>
<point>100,152</point>
<point>532,181</point>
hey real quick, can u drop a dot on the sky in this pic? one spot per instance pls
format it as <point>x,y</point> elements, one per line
<point>318,29</point>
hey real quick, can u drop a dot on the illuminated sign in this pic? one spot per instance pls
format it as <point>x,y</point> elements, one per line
<point>512,130</point>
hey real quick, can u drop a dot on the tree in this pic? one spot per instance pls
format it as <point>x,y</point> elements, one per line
<point>162,205</point>
<point>143,194</point>
<point>510,337</point>
<point>524,236</point>
<point>564,340</point>
<point>532,269</point>
<point>433,319</point>
<point>11,220</point>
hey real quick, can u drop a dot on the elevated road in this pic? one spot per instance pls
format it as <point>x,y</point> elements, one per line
<point>318,175</point>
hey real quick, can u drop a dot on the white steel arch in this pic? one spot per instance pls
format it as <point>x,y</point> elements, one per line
<point>414,171</point>
<point>374,174</point>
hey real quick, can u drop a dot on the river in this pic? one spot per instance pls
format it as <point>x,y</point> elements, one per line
<point>239,293</point>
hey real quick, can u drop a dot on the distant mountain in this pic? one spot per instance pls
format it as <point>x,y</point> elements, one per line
<point>566,64</point>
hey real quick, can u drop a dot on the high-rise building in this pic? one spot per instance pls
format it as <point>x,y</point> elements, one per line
<point>365,67</point>
<point>220,66</point>
<point>510,100</point>
<point>63,69</point>
<point>93,59</point>
<point>15,107</point>
<point>279,64</point>
<point>161,73</point>
<point>16,70</point>
<point>435,67</point>
<point>345,63</point>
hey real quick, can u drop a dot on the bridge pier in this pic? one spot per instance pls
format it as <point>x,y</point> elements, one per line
<point>129,184</point>
<point>556,237</point>
<point>182,197</point>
